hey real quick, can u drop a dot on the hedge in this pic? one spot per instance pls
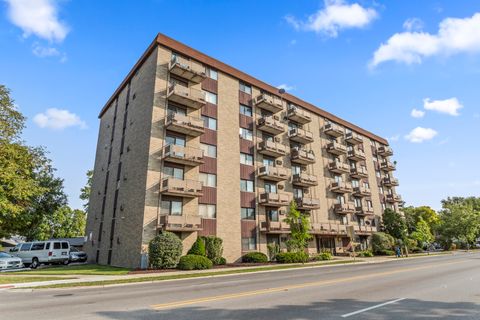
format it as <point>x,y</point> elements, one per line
<point>292,257</point>
<point>164,251</point>
<point>255,257</point>
<point>198,248</point>
<point>194,262</point>
<point>323,256</point>
<point>381,242</point>
<point>214,249</point>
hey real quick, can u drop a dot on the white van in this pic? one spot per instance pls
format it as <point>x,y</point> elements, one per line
<point>48,252</point>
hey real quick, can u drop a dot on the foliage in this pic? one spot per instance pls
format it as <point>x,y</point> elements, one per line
<point>273,249</point>
<point>422,234</point>
<point>165,250</point>
<point>381,242</point>
<point>394,224</point>
<point>292,257</point>
<point>255,257</point>
<point>414,214</point>
<point>365,253</point>
<point>198,248</point>
<point>194,262</point>
<point>459,221</point>
<point>299,229</point>
<point>323,256</point>
<point>85,191</point>
<point>385,253</point>
<point>412,244</point>
<point>12,121</point>
<point>214,248</point>
<point>222,261</point>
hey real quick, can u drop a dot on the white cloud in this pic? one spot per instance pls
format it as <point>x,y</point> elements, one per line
<point>454,36</point>
<point>286,87</point>
<point>448,106</point>
<point>395,138</point>
<point>58,119</point>
<point>413,24</point>
<point>420,134</point>
<point>38,17</point>
<point>417,113</point>
<point>336,15</point>
<point>42,52</point>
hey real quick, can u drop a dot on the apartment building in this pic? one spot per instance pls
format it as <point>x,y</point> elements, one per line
<point>191,145</point>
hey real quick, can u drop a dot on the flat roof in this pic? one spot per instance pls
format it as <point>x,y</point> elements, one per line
<point>163,40</point>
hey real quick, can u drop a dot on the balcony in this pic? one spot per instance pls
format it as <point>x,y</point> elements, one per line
<point>189,97</point>
<point>275,227</point>
<point>328,228</point>
<point>273,173</point>
<point>344,208</point>
<point>300,135</point>
<point>272,149</point>
<point>336,148</point>
<point>333,130</point>
<point>392,198</point>
<point>182,155</point>
<point>356,154</point>
<point>362,191</point>
<point>364,230</point>
<point>390,182</point>
<point>387,166</point>
<point>307,203</point>
<point>184,124</point>
<point>364,211</point>
<point>302,156</point>
<point>359,172</point>
<point>181,188</point>
<point>304,180</point>
<point>353,138</point>
<point>274,199</point>
<point>270,124</point>
<point>185,223</point>
<point>341,187</point>
<point>268,102</point>
<point>296,114</point>
<point>187,69</point>
<point>385,151</point>
<point>338,167</point>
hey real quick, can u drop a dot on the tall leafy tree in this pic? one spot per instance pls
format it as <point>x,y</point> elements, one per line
<point>459,221</point>
<point>414,214</point>
<point>299,229</point>
<point>422,233</point>
<point>394,224</point>
<point>85,191</point>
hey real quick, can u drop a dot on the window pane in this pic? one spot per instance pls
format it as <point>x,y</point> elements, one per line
<point>202,210</point>
<point>176,208</point>
<point>165,207</point>
<point>212,74</point>
<point>211,97</point>
<point>212,180</point>
<point>246,110</point>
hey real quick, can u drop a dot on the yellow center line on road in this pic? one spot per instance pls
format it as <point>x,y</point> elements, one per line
<point>291,287</point>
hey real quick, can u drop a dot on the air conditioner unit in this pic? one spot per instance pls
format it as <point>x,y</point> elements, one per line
<point>279,162</point>
<point>277,139</point>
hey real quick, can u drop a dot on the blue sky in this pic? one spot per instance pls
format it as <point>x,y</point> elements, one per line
<point>370,62</point>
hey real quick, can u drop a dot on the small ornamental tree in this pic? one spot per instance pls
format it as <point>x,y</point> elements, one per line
<point>198,248</point>
<point>299,227</point>
<point>214,249</point>
<point>422,234</point>
<point>165,250</point>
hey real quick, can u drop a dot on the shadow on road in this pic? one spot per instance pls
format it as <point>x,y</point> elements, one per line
<point>331,309</point>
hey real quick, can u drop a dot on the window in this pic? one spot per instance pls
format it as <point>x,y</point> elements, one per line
<point>272,215</point>
<point>246,134</point>
<point>384,206</point>
<point>25,247</point>
<point>208,179</point>
<point>340,200</point>
<point>338,179</point>
<point>270,187</point>
<point>369,204</point>
<point>245,88</point>
<point>249,244</point>
<point>358,202</point>
<point>366,185</point>
<point>48,246</point>
<point>209,123</point>
<point>176,173</point>
<point>174,109</point>
<point>38,246</point>
<point>380,190</point>
<point>355,183</point>
<point>212,74</point>
<point>57,245</point>
<point>246,159</point>
<point>344,220</point>
<point>65,245</point>
<point>267,137</point>
<point>297,193</point>
<point>246,110</point>
<point>179,141</point>
<point>209,150</point>
<point>207,211</point>
<point>268,162</point>
<point>247,213</point>
<point>171,207</point>
<point>292,125</point>
<point>246,185</point>
<point>210,97</point>
<point>296,169</point>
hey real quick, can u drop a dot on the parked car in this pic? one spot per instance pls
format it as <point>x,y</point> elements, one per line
<point>7,261</point>
<point>47,252</point>
<point>77,255</point>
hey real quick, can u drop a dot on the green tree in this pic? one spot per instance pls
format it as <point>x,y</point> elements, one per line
<point>12,121</point>
<point>414,214</point>
<point>422,234</point>
<point>394,224</point>
<point>459,221</point>
<point>85,191</point>
<point>299,229</point>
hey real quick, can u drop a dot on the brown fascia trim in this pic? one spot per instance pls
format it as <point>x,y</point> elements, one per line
<point>174,45</point>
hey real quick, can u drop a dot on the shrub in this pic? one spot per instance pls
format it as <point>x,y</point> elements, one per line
<point>198,248</point>
<point>214,248</point>
<point>164,251</point>
<point>323,256</point>
<point>273,250</point>
<point>255,257</point>
<point>381,242</point>
<point>292,257</point>
<point>365,253</point>
<point>385,252</point>
<point>194,262</point>
<point>222,261</point>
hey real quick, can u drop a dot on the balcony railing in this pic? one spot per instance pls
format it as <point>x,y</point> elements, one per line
<point>359,172</point>
<point>390,182</point>
<point>362,191</point>
<point>185,124</point>
<point>393,198</point>
<point>189,97</point>
<point>353,138</point>
<point>344,208</point>
<point>274,199</point>
<point>304,180</point>
<point>275,227</point>
<point>185,223</point>
<point>338,167</point>
<point>336,148</point>
<point>268,102</point>
<point>341,187</point>
<point>298,115</point>
<point>300,135</point>
<point>181,188</point>
<point>183,155</point>
<point>385,151</point>
<point>328,228</point>
<point>306,203</point>
<point>333,130</point>
<point>364,211</point>
<point>387,166</point>
<point>187,69</point>
<point>273,149</point>
<point>356,154</point>
<point>302,156</point>
<point>273,173</point>
<point>364,229</point>
<point>271,124</point>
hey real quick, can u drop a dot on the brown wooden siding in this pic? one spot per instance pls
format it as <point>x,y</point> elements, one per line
<point>209,137</point>
<point>247,172</point>
<point>209,165</point>
<point>210,110</point>
<point>248,228</point>
<point>209,195</point>
<point>247,199</point>
<point>209,228</point>
<point>244,98</point>
<point>246,122</point>
<point>210,85</point>
<point>246,146</point>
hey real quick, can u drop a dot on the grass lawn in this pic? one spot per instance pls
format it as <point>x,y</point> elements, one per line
<point>6,279</point>
<point>81,269</point>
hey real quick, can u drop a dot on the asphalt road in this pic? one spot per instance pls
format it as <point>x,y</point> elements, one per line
<point>440,287</point>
